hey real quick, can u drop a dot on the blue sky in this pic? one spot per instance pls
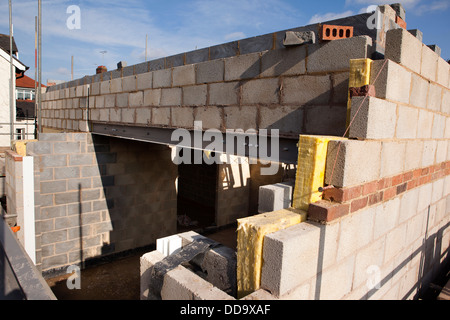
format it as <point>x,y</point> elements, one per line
<point>120,27</point>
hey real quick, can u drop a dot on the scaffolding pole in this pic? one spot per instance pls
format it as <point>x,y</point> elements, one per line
<point>12,76</point>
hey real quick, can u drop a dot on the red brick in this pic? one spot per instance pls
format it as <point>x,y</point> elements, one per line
<point>359,204</point>
<point>401,188</point>
<point>389,193</point>
<point>381,184</point>
<point>412,184</point>
<point>424,179</point>
<point>387,182</point>
<point>334,194</point>
<point>326,211</point>
<point>397,180</point>
<point>417,173</point>
<point>375,198</point>
<point>342,194</point>
<point>408,176</point>
<point>331,32</point>
<point>369,188</point>
<point>425,171</point>
<point>400,22</point>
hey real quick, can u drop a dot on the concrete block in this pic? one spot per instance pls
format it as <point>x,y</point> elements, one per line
<point>291,61</point>
<point>210,71</point>
<point>395,242</point>
<point>340,83</point>
<point>445,106</point>
<point>372,118</point>
<point>441,151</point>
<point>404,48</point>
<point>275,197</point>
<point>429,153</point>
<point>256,44</point>
<point>152,97</point>
<point>225,50</point>
<point>357,162</point>
<point>115,115</point>
<point>218,264</point>
<point>122,100</point>
<point>302,245</point>
<point>416,33</point>
<point>394,81</point>
<point>183,75</point>
<point>365,259</point>
<point>128,115</point>
<point>306,90</point>
<point>413,155</point>
<point>95,89</point>
<point>110,101</point>
<point>243,118</point>
<point>195,95</point>
<point>144,81</point>
<point>224,93</point>
<point>162,78</point>
<point>183,284</point>
<point>105,87</point>
<point>171,97</point>
<point>429,62</point>
<point>175,60</point>
<point>197,56</point>
<point>351,48</point>
<point>438,128</point>
<point>261,91</point>
<point>407,122</point>
<point>386,217</point>
<point>425,124</point>
<point>287,119</point>
<point>182,117</point>
<point>325,120</point>
<point>419,91</point>
<point>211,117</point>
<point>143,116</point>
<point>434,97</point>
<point>443,69</point>
<point>242,67</point>
<point>161,116</point>
<point>147,261</point>
<point>392,158</point>
<point>129,84</point>
<point>136,99</point>
<point>116,85</point>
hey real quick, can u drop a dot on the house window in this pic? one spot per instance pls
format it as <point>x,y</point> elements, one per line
<point>25,94</point>
<point>20,134</point>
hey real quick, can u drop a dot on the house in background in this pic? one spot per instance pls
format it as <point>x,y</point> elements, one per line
<point>20,126</point>
<point>25,108</point>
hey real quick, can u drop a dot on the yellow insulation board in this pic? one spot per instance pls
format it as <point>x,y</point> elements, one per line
<point>359,76</point>
<point>20,146</point>
<point>250,238</point>
<point>312,157</point>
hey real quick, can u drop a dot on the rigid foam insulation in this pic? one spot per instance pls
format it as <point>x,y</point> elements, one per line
<point>359,76</point>
<point>310,176</point>
<point>250,241</point>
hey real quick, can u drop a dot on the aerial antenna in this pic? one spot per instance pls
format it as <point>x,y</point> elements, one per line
<point>103,56</point>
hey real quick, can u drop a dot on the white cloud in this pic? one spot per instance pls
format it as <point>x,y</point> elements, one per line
<point>433,6</point>
<point>407,4</point>
<point>329,16</point>
<point>234,36</point>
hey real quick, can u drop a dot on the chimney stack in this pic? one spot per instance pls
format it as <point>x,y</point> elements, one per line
<point>101,69</point>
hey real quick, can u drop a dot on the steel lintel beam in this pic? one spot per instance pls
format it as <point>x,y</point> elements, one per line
<point>250,145</point>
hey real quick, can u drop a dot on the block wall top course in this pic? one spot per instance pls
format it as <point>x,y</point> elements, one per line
<point>261,43</point>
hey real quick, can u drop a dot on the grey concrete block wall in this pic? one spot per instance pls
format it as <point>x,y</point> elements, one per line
<point>91,201</point>
<point>294,80</point>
